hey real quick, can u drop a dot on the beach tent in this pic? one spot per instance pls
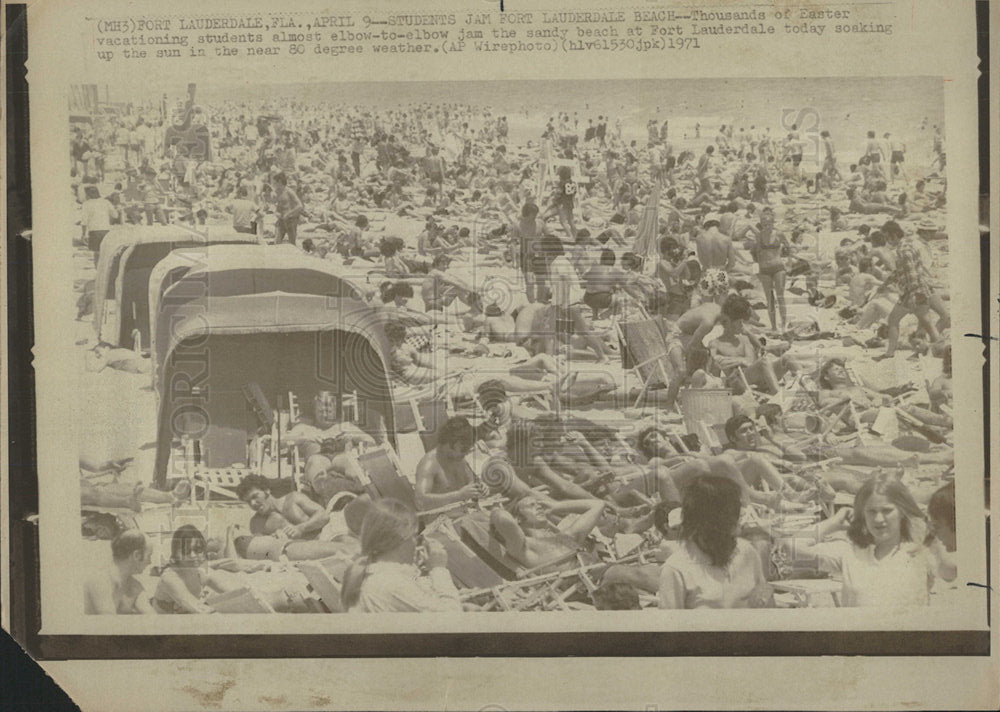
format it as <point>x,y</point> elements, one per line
<point>128,255</point>
<point>185,278</point>
<point>215,358</point>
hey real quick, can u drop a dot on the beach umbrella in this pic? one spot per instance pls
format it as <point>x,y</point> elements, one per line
<point>649,225</point>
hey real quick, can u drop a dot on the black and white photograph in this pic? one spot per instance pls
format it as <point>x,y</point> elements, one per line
<point>513,346</point>
<point>495,355</point>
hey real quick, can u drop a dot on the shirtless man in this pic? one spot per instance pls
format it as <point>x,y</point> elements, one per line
<point>440,289</point>
<point>444,477</point>
<point>696,323</point>
<point>830,168</point>
<point>115,589</point>
<point>294,516</point>
<point>693,326</point>
<point>533,540</point>
<point>897,151</point>
<point>734,351</point>
<point>715,250</point>
<point>703,184</point>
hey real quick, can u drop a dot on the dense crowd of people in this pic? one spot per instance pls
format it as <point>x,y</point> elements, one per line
<point>769,268</point>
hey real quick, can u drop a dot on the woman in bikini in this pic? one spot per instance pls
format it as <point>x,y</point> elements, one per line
<point>186,581</point>
<point>770,248</point>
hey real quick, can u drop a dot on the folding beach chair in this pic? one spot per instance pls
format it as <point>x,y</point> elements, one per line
<point>423,418</point>
<point>243,600</point>
<point>644,352</point>
<point>475,529</point>
<point>384,475</point>
<point>325,577</point>
<point>466,567</point>
<point>804,591</point>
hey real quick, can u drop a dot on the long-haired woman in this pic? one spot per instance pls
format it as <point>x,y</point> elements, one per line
<point>387,576</point>
<point>713,568</point>
<point>884,561</point>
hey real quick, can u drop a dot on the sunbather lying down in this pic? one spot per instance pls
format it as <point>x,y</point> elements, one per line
<point>245,546</point>
<point>121,495</point>
<point>414,367</point>
<point>534,540</point>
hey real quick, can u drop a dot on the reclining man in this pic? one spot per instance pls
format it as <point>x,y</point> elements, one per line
<point>294,515</point>
<point>534,540</point>
<point>242,546</point>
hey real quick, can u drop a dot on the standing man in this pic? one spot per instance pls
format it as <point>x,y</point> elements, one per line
<point>288,207</point>
<point>915,293</point>
<point>602,131</point>
<point>715,250</point>
<point>703,184</point>
<point>830,169</point>
<point>246,214</point>
<point>357,146</point>
<point>897,149</point>
<point>115,589</point>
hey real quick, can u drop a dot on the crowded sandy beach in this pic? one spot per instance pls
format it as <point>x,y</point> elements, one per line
<point>454,356</point>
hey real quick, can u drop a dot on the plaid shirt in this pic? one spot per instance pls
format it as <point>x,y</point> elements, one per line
<point>910,270</point>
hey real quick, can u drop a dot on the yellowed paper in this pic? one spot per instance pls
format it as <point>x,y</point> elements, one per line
<point>776,74</point>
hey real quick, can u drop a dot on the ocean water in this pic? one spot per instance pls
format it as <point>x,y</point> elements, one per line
<point>847,107</point>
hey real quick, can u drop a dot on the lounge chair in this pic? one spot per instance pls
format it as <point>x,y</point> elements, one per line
<point>384,475</point>
<point>645,352</point>
<point>325,577</point>
<point>478,534</point>
<point>466,567</point>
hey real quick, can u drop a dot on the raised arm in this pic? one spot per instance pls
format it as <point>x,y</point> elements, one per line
<point>561,487</point>
<point>590,513</point>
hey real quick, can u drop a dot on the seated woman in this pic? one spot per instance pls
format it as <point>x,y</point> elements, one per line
<point>713,567</point>
<point>601,282</point>
<point>535,541</point>
<point>883,562</point>
<point>186,581</point>
<point>395,267</point>
<point>393,573</point>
